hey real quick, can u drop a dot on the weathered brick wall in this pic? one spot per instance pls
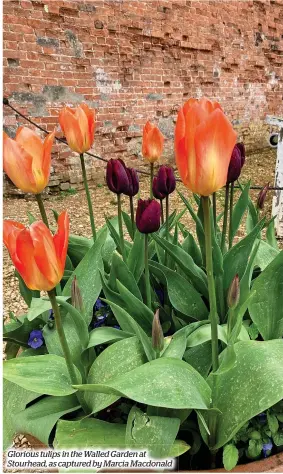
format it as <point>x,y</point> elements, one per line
<point>138,60</point>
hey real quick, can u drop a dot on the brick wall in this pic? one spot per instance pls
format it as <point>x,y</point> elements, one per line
<point>138,60</point>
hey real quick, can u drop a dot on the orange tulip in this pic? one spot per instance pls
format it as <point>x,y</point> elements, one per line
<point>152,142</point>
<point>38,256</point>
<point>78,127</point>
<point>204,141</point>
<point>27,160</point>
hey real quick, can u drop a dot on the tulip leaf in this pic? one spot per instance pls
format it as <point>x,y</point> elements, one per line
<point>182,294</point>
<point>265,305</point>
<point>120,271</point>
<point>251,386</point>
<point>177,345</point>
<point>236,259</point>
<point>266,254</point>
<point>114,234</point>
<point>114,361</point>
<point>37,307</point>
<point>39,419</point>
<point>240,209</point>
<point>136,256</point>
<point>78,320</point>
<point>78,246</point>
<point>46,374</point>
<point>156,434</point>
<point>270,234</point>
<point>200,358</point>
<point>203,334</point>
<point>106,335</point>
<point>19,331</point>
<point>26,293</point>
<point>191,247</point>
<point>138,310</point>
<point>88,276</point>
<point>199,226</point>
<point>128,223</point>
<point>176,385</point>
<point>15,399</point>
<point>195,274</point>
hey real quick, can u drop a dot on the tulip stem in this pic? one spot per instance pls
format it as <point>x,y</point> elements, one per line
<point>214,211</point>
<point>162,212</point>
<point>120,222</point>
<point>151,179</point>
<point>90,209</point>
<point>213,316</point>
<point>65,348</point>
<point>132,214</point>
<point>231,215</point>
<point>38,197</point>
<point>146,273</point>
<point>225,218</point>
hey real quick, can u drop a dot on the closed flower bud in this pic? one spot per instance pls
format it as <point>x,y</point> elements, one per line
<point>133,182</point>
<point>76,296</point>
<point>236,163</point>
<point>116,176</point>
<point>152,142</point>
<point>155,191</point>
<point>157,334</point>
<point>166,181</point>
<point>262,197</point>
<point>148,216</point>
<point>234,292</point>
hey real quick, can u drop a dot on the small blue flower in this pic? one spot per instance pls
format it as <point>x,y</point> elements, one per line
<point>99,304</point>
<point>100,320</point>
<point>266,448</point>
<point>35,339</point>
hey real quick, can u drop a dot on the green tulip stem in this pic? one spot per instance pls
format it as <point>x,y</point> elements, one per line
<point>162,211</point>
<point>225,218</point>
<point>38,197</point>
<point>65,348</point>
<point>151,180</point>
<point>120,222</point>
<point>146,273</point>
<point>231,215</point>
<point>213,316</point>
<point>214,210</point>
<point>132,214</point>
<point>89,203</point>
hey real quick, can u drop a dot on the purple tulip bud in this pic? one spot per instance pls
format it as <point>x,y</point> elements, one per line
<point>242,149</point>
<point>262,197</point>
<point>148,216</point>
<point>234,292</point>
<point>166,181</point>
<point>133,182</point>
<point>155,191</point>
<point>116,176</point>
<point>235,165</point>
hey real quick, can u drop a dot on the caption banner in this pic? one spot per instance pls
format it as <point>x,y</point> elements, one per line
<point>85,459</point>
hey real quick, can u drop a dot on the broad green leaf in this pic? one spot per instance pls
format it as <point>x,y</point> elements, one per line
<point>186,263</point>
<point>136,308</point>
<point>15,399</point>
<point>270,235</point>
<point>11,350</point>
<point>46,374</point>
<point>182,294</point>
<point>272,422</point>
<point>78,320</point>
<point>176,385</point>
<point>227,361</point>
<point>200,358</point>
<point>78,247</point>
<point>26,293</point>
<point>88,276</point>
<point>191,247</point>
<point>253,385</point>
<point>156,434</point>
<point>120,271</point>
<point>265,255</point>
<point>37,307</point>
<point>265,305</point>
<point>128,222</point>
<point>114,234</point>
<point>105,335</point>
<point>136,256</point>
<point>203,334</point>
<point>39,419</point>
<point>117,359</point>
<point>230,456</point>
<point>240,209</point>
<point>177,345</point>
<point>199,226</point>
<point>236,259</point>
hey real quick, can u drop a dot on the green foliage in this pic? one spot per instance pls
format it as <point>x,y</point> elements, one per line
<point>230,456</point>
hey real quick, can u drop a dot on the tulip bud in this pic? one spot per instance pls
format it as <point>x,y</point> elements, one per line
<point>133,182</point>
<point>155,191</point>
<point>148,216</point>
<point>236,163</point>
<point>152,142</point>
<point>166,181</point>
<point>233,296</point>
<point>157,333</point>
<point>76,296</point>
<point>262,196</point>
<point>116,176</point>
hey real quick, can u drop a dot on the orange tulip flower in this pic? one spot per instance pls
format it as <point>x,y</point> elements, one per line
<point>204,141</point>
<point>38,256</point>
<point>27,160</point>
<point>152,142</point>
<point>78,127</point>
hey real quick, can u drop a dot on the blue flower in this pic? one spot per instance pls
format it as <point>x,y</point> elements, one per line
<point>266,448</point>
<point>99,304</point>
<point>35,339</point>
<point>100,320</point>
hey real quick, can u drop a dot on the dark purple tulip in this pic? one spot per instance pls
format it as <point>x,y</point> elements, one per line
<point>155,191</point>
<point>116,176</point>
<point>235,165</point>
<point>148,216</point>
<point>241,147</point>
<point>166,181</point>
<point>262,196</point>
<point>133,182</point>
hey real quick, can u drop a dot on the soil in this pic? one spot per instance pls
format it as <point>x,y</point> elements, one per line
<point>259,168</point>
